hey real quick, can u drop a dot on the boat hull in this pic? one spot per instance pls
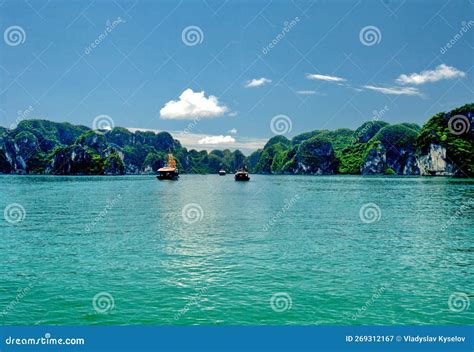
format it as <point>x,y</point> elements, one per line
<point>173,176</point>
<point>242,177</point>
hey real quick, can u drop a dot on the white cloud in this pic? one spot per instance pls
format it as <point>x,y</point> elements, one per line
<point>441,72</point>
<point>216,140</point>
<point>257,82</point>
<point>233,113</point>
<point>246,145</point>
<point>395,90</point>
<point>233,131</point>
<point>192,105</point>
<point>325,78</point>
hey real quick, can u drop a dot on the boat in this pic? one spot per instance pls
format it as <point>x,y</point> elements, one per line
<point>241,175</point>
<point>222,173</point>
<point>169,171</point>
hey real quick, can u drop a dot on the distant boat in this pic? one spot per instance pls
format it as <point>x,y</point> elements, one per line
<point>168,172</point>
<point>242,175</point>
<point>222,173</point>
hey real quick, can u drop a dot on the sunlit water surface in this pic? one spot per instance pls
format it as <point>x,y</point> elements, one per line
<point>301,240</point>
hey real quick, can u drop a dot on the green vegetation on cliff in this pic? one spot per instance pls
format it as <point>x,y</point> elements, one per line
<point>376,147</point>
<point>453,131</point>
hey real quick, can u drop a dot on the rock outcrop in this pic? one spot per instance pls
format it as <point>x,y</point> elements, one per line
<point>314,157</point>
<point>443,147</point>
<point>445,144</point>
<point>392,150</point>
<point>435,162</point>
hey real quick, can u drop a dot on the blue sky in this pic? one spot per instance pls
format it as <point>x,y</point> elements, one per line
<point>321,64</point>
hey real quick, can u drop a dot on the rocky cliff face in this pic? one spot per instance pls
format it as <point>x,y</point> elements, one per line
<point>375,162</point>
<point>392,150</point>
<point>113,164</point>
<point>73,160</point>
<point>15,153</point>
<point>398,161</point>
<point>445,144</point>
<point>440,147</point>
<point>314,157</point>
<point>435,162</point>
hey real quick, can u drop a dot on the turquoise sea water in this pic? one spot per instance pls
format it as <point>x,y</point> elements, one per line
<point>207,250</point>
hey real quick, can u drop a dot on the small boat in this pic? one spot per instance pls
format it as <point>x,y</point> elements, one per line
<point>222,173</point>
<point>169,171</point>
<point>242,175</point>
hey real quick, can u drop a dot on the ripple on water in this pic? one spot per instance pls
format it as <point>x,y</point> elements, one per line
<point>301,236</point>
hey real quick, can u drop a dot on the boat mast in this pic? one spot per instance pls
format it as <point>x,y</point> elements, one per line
<point>171,161</point>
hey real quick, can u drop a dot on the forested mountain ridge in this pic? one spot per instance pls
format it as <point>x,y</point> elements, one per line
<point>443,146</point>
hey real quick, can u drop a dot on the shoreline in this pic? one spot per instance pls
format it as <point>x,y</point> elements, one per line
<point>258,174</point>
